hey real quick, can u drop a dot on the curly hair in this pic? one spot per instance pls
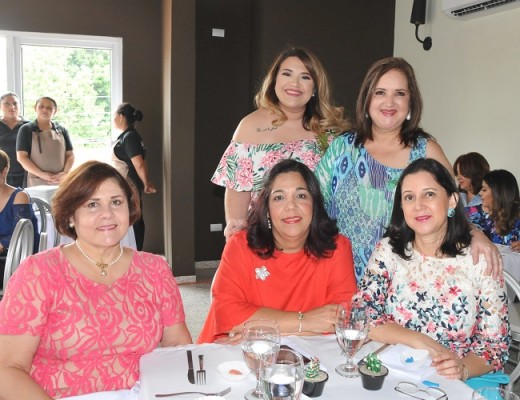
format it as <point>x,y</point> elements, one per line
<point>506,200</point>
<point>473,166</point>
<point>80,185</point>
<point>457,235</point>
<point>323,230</point>
<point>410,130</point>
<point>320,114</point>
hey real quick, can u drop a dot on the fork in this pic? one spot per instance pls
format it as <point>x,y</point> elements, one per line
<point>201,373</point>
<point>221,393</point>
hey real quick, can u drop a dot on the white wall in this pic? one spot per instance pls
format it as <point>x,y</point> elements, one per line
<point>470,81</point>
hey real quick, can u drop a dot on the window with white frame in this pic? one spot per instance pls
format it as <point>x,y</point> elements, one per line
<point>82,73</point>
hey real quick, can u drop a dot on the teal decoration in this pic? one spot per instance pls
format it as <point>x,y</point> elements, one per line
<point>451,212</point>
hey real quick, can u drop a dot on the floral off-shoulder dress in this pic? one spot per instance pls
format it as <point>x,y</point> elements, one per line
<point>449,299</point>
<point>243,165</point>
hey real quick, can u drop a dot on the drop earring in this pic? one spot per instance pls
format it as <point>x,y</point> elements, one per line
<point>269,222</point>
<point>451,212</point>
<point>409,116</point>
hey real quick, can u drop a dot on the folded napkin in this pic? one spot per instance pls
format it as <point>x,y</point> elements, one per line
<point>391,358</point>
<point>493,379</point>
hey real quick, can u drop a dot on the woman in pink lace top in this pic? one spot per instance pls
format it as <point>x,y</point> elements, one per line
<point>77,318</point>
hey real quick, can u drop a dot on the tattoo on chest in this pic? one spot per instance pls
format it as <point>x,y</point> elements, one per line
<point>268,129</point>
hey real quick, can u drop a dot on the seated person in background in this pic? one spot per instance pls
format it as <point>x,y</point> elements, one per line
<point>290,265</point>
<point>470,169</point>
<point>15,204</point>
<point>499,215</point>
<point>76,319</point>
<point>421,287</point>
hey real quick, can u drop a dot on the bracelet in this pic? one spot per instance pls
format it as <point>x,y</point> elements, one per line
<point>465,373</point>
<point>299,315</point>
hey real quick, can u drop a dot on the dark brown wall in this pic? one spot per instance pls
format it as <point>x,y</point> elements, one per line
<point>347,36</point>
<point>139,24</point>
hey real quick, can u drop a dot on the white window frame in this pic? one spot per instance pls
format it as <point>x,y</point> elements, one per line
<point>15,40</point>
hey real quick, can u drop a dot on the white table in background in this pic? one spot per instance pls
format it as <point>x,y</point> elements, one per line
<point>127,241</point>
<point>166,371</point>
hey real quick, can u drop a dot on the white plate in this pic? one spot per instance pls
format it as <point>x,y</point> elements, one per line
<point>234,370</point>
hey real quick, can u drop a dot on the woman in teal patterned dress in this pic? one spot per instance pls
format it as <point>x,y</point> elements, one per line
<point>359,171</point>
<point>294,119</point>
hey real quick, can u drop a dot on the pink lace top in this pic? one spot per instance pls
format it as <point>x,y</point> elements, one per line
<point>91,335</point>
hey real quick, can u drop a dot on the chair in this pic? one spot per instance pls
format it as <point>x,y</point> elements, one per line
<point>513,288</point>
<point>20,247</point>
<point>44,208</point>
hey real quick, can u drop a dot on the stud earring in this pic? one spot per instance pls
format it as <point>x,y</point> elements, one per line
<point>366,115</point>
<point>451,212</point>
<point>71,225</point>
<point>409,116</point>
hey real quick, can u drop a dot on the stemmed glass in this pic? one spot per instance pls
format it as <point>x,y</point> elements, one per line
<point>260,342</point>
<point>283,377</point>
<point>351,332</point>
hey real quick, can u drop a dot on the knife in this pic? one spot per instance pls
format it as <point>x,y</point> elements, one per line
<point>191,374</point>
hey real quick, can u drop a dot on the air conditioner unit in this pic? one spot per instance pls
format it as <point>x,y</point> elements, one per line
<point>466,9</point>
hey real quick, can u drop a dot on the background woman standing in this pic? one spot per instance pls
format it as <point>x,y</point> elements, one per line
<point>129,158</point>
<point>43,147</point>
<point>9,125</point>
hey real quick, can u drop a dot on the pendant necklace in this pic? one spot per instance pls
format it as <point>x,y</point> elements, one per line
<point>100,265</point>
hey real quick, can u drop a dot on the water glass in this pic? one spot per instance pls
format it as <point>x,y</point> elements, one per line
<point>260,343</point>
<point>282,378</point>
<point>351,332</point>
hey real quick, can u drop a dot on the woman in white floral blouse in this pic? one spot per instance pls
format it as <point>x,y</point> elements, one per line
<point>294,119</point>
<point>421,287</point>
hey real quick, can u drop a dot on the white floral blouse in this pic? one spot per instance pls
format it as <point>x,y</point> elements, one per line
<point>449,299</point>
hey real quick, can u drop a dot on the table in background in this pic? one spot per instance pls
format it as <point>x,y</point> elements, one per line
<point>511,260</point>
<point>127,241</point>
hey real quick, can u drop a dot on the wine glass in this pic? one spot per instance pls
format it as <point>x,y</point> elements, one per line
<point>282,377</point>
<point>351,332</point>
<point>260,342</point>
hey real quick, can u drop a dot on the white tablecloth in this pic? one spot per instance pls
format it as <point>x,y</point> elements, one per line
<point>165,371</point>
<point>511,261</point>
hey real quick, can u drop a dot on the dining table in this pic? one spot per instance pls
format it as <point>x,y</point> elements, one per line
<point>165,370</point>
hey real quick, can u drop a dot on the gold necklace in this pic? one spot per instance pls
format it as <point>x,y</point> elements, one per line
<point>99,264</point>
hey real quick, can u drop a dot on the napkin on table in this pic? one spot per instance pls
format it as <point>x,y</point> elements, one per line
<point>391,357</point>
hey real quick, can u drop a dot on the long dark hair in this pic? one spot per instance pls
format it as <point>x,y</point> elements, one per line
<point>323,230</point>
<point>410,130</point>
<point>400,234</point>
<point>506,200</point>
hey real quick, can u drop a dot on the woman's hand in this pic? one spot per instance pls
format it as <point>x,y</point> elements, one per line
<point>320,320</point>
<point>234,226</point>
<point>149,188</point>
<point>480,244</point>
<point>448,364</point>
<point>515,246</point>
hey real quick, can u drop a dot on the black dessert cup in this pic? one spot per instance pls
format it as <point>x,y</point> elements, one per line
<point>372,380</point>
<point>313,387</point>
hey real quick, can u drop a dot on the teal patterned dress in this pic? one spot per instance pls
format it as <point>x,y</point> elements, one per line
<point>243,165</point>
<point>359,193</point>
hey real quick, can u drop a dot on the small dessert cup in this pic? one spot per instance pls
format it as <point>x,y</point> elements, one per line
<point>313,387</point>
<point>372,380</point>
